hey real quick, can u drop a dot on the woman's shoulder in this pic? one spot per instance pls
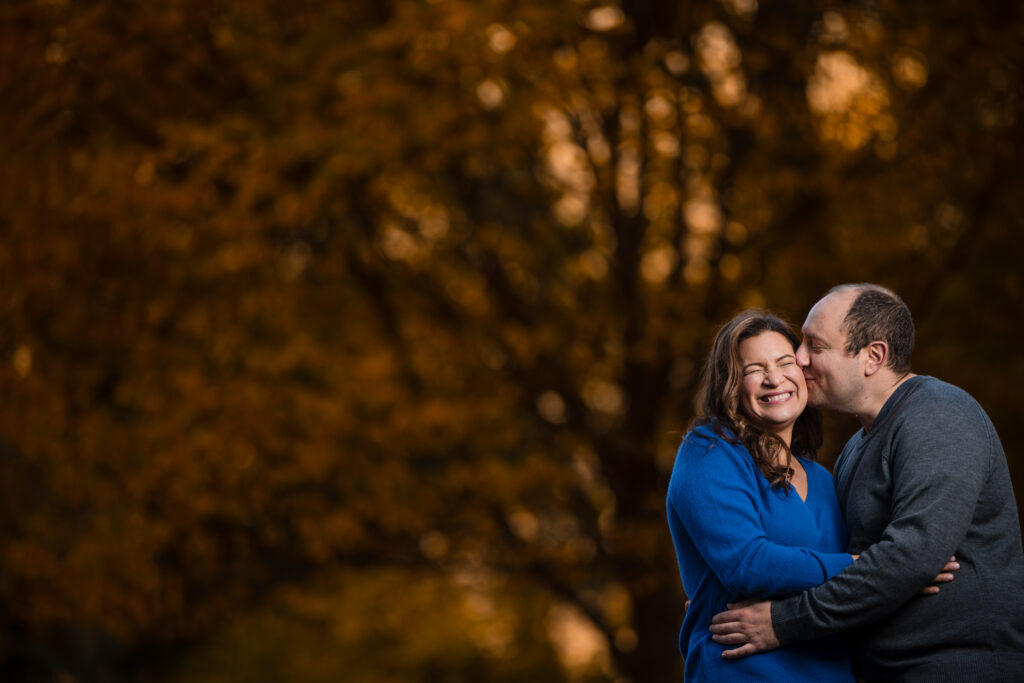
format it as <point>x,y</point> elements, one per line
<point>708,455</point>
<point>710,438</point>
<point>708,435</point>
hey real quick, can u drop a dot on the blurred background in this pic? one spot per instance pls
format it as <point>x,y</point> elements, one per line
<point>353,341</point>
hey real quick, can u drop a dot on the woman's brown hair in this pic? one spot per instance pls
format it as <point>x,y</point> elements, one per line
<point>720,399</point>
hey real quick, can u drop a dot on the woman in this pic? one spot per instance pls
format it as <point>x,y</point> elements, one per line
<point>751,515</point>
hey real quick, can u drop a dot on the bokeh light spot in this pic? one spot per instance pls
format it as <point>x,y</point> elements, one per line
<point>605,18</point>
<point>490,94</point>
<point>22,361</point>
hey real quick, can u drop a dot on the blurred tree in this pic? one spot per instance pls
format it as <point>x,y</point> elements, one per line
<point>320,634</point>
<point>298,287</point>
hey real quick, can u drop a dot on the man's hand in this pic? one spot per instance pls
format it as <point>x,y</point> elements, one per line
<point>747,624</point>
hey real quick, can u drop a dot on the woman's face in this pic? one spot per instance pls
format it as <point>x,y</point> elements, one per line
<point>773,392</point>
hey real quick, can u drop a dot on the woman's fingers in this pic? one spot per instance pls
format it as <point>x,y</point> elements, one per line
<point>945,576</point>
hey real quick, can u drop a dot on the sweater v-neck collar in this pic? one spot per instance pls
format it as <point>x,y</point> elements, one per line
<point>890,406</point>
<point>860,438</point>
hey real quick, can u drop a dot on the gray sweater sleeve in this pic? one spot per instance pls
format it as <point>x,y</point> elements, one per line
<point>939,454</point>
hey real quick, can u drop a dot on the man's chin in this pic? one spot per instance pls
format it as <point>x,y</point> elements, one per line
<point>816,401</point>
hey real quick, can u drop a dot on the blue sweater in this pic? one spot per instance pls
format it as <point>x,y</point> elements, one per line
<point>736,537</point>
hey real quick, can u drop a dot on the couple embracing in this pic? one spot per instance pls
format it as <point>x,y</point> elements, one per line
<point>781,587</point>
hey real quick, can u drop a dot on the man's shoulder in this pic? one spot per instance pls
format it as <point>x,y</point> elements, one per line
<point>930,395</point>
<point>931,409</point>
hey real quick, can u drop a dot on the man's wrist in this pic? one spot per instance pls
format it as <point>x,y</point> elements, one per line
<point>777,609</point>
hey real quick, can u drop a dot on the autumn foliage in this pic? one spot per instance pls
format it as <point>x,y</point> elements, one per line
<point>353,340</point>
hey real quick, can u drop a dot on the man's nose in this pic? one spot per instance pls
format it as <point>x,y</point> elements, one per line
<point>803,359</point>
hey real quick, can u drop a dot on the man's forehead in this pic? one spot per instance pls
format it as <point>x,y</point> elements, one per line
<point>826,316</point>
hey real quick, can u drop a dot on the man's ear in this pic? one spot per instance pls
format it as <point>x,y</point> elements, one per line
<point>876,355</point>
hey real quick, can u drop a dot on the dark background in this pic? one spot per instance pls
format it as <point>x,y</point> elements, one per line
<point>354,340</point>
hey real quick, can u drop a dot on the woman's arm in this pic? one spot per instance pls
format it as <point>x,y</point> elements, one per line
<point>712,496</point>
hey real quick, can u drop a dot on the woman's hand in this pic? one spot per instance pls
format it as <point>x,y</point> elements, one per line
<point>945,576</point>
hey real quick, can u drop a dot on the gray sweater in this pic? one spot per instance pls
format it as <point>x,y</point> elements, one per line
<point>928,481</point>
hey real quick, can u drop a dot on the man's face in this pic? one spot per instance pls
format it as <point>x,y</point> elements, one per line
<point>835,379</point>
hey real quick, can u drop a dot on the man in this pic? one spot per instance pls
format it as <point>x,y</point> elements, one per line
<point>924,479</point>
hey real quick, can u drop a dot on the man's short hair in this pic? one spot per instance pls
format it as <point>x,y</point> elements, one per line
<point>878,314</point>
